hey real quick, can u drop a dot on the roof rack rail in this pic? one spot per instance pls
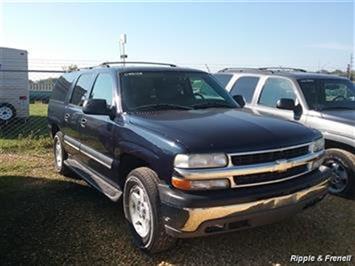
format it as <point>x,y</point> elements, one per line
<point>244,69</point>
<point>262,69</point>
<point>107,64</point>
<point>283,69</point>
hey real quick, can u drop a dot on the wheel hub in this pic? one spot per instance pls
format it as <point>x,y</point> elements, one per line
<point>340,177</point>
<point>58,153</point>
<point>5,113</point>
<point>139,210</point>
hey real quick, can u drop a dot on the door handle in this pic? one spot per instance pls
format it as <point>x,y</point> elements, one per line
<point>66,117</point>
<point>83,122</point>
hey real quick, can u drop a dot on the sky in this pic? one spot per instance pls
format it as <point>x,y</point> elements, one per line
<point>242,34</point>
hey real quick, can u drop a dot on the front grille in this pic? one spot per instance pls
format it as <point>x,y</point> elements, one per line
<point>266,157</point>
<point>267,177</point>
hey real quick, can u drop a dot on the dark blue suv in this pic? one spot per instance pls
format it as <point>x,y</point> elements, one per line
<point>179,151</point>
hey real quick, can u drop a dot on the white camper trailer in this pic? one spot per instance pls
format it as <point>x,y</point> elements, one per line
<point>14,86</point>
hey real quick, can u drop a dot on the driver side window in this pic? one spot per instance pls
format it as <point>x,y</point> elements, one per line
<point>103,88</point>
<point>274,89</point>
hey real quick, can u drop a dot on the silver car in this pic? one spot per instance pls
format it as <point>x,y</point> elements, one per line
<point>321,101</point>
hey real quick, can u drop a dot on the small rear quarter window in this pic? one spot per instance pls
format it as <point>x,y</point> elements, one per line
<point>62,86</point>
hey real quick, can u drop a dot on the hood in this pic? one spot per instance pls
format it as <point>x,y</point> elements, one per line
<point>223,130</point>
<point>341,116</point>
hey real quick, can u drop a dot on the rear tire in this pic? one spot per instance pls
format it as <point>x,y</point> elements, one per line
<point>60,155</point>
<point>7,113</point>
<point>142,210</point>
<point>342,163</point>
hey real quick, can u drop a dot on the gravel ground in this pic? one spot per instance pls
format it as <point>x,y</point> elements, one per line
<point>48,219</point>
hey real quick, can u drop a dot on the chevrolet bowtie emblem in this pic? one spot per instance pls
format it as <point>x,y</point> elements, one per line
<point>282,165</point>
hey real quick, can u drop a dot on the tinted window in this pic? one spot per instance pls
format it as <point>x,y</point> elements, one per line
<point>245,86</point>
<point>275,89</point>
<point>328,93</point>
<point>158,90</point>
<point>62,86</point>
<point>223,79</point>
<point>81,88</point>
<point>202,89</point>
<point>103,88</point>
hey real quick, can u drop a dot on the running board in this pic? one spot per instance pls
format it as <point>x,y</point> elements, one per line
<point>98,182</point>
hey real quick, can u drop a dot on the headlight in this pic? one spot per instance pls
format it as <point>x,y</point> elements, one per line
<point>186,184</point>
<point>200,160</point>
<point>317,145</point>
<point>316,164</point>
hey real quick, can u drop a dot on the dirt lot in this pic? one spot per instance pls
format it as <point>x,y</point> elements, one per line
<point>48,219</point>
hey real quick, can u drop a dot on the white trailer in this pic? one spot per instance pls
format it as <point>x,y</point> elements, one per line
<point>14,86</point>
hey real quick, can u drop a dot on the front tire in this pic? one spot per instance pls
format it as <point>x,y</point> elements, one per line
<point>142,210</point>
<point>60,155</point>
<point>342,163</point>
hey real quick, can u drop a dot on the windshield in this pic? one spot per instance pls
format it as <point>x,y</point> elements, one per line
<point>327,94</point>
<point>163,90</point>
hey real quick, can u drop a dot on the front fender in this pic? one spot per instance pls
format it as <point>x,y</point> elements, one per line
<point>161,163</point>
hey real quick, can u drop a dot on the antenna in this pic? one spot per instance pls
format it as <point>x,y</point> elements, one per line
<point>123,41</point>
<point>350,68</point>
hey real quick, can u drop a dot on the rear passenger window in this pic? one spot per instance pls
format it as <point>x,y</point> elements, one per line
<point>223,79</point>
<point>275,89</point>
<point>103,88</point>
<point>81,88</point>
<point>245,86</point>
<point>62,86</point>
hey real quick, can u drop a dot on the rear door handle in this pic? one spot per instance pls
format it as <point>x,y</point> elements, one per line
<point>66,117</point>
<point>83,122</point>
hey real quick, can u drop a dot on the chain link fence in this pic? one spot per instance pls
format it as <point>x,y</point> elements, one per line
<point>24,97</point>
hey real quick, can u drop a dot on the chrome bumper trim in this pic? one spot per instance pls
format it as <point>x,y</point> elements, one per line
<point>199,215</point>
<point>229,171</point>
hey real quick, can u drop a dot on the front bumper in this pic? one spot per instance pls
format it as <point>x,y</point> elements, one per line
<point>203,213</point>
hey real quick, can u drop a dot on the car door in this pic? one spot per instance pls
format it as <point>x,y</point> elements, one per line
<point>73,114</point>
<point>273,89</point>
<point>96,131</point>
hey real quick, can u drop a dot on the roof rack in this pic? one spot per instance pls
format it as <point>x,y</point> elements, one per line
<point>244,69</point>
<point>107,64</point>
<point>263,69</point>
<point>283,69</point>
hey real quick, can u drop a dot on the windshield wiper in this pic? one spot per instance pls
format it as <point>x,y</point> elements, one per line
<point>211,105</point>
<point>162,106</point>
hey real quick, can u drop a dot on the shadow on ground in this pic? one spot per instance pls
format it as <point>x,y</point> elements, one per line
<point>44,221</point>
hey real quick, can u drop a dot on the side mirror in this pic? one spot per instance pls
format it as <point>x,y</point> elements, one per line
<point>96,107</point>
<point>286,104</point>
<point>240,100</point>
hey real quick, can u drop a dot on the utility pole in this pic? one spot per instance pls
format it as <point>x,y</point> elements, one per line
<point>351,67</point>
<point>123,41</point>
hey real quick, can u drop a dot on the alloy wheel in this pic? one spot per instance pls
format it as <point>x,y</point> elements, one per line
<point>140,210</point>
<point>58,153</point>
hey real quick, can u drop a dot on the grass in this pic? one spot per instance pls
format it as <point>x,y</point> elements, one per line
<point>38,109</point>
<point>30,136</point>
<point>46,218</point>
